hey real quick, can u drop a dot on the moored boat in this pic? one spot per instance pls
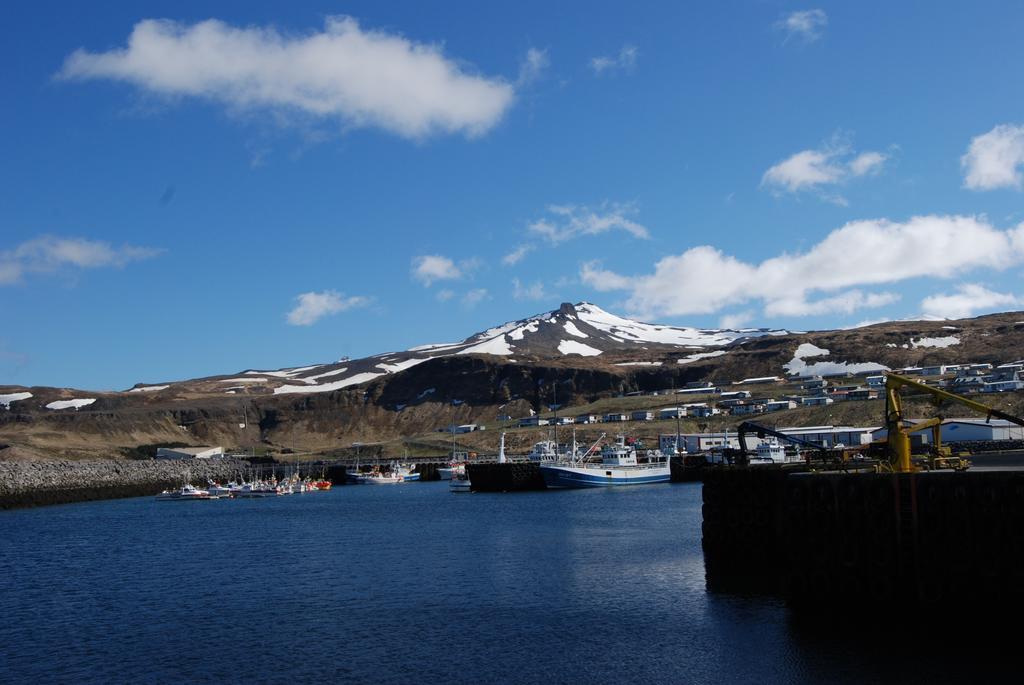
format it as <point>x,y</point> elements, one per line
<point>460,484</point>
<point>619,465</point>
<point>185,493</point>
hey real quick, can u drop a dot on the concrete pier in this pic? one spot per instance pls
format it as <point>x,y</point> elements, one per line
<point>929,540</point>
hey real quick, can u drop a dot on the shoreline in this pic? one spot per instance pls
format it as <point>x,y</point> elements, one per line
<point>42,483</point>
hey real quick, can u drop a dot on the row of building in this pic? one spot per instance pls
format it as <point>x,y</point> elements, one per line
<point>952,431</point>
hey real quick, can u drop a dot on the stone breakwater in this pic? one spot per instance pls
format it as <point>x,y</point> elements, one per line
<point>29,484</point>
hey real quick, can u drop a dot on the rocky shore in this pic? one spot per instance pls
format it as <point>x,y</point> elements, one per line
<point>29,484</point>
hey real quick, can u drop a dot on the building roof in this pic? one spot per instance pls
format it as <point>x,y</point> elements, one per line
<point>190,450</point>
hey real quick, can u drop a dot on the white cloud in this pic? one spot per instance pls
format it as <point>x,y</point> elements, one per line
<point>624,61</point>
<point>533,65</point>
<point>355,76</point>
<point>829,165</point>
<point>445,295</point>
<point>805,169</point>
<point>993,159</point>
<point>430,268</point>
<point>704,280</point>
<point>475,297</point>
<point>533,291</point>
<point>844,303</point>
<point>737,320</point>
<point>867,163</point>
<point>808,25</point>
<point>969,298</point>
<point>570,221</point>
<point>311,307</point>
<point>48,254</point>
<point>517,255</point>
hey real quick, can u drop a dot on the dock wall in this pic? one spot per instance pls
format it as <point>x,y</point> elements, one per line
<point>921,541</point>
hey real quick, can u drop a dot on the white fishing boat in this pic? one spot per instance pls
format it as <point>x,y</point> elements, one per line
<point>544,451</point>
<point>771,452</point>
<point>460,484</point>
<point>619,465</point>
<point>185,493</point>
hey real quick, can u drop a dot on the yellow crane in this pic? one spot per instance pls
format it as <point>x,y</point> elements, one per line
<point>898,438</point>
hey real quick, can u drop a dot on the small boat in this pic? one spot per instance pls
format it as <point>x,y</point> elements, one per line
<point>619,465</point>
<point>185,493</point>
<point>218,490</point>
<point>460,484</point>
<point>256,490</point>
<point>453,470</point>
<point>323,484</point>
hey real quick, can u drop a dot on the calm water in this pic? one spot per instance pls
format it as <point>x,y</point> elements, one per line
<point>412,584</point>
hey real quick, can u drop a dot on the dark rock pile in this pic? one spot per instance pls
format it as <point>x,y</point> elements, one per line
<point>27,484</point>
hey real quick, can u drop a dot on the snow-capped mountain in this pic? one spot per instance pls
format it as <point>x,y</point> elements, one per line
<point>581,330</point>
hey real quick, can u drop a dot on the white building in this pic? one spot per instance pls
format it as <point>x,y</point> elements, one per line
<point>189,452</point>
<point>816,401</point>
<point>703,411</point>
<point>779,405</point>
<point>830,436</point>
<point>704,390</point>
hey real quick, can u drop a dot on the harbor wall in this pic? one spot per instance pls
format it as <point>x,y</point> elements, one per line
<point>931,541</point>
<point>507,477</point>
<point>36,483</point>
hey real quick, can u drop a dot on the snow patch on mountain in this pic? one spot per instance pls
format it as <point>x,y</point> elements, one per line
<point>520,332</point>
<point>697,356</point>
<point>403,365</point>
<point>68,404</point>
<point>325,374</point>
<point>636,331</point>
<point>573,347</point>
<point>6,400</point>
<point>328,387</point>
<point>497,346</point>
<point>571,329</point>
<point>798,367</point>
<point>150,388</point>
<point>947,341</point>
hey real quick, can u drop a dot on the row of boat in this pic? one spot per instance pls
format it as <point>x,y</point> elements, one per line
<point>245,490</point>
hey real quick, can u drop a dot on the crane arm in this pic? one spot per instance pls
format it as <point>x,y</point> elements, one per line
<point>898,435</point>
<point>894,382</point>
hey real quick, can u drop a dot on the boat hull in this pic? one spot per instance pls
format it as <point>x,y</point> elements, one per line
<point>460,485</point>
<point>559,476</point>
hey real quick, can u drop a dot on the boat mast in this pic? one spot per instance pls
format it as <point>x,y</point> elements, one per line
<point>554,390</point>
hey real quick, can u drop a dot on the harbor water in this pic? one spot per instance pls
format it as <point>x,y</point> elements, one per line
<point>411,584</point>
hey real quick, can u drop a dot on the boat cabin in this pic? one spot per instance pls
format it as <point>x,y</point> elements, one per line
<point>618,454</point>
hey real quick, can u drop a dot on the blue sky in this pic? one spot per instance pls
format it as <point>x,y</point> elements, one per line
<point>249,185</point>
